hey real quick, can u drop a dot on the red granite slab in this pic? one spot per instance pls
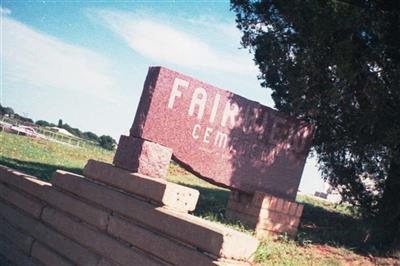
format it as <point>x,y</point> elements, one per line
<point>144,157</point>
<point>222,137</point>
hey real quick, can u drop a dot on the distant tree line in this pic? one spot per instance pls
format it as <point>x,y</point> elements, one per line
<point>104,141</point>
<point>10,112</point>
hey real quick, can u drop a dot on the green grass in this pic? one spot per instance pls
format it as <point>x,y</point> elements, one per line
<point>41,158</point>
<point>329,234</point>
<point>287,252</point>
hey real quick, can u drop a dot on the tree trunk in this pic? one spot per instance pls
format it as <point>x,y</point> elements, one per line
<point>389,208</point>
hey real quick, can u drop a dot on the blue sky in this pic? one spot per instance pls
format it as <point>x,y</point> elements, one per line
<point>86,61</point>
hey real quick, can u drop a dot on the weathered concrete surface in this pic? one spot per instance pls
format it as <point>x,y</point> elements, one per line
<point>24,182</point>
<point>97,241</point>
<point>155,189</point>
<point>164,248</point>
<point>16,257</point>
<point>223,137</point>
<point>47,256</point>
<point>16,237</point>
<point>82,221</point>
<point>33,190</point>
<point>24,202</point>
<point>266,214</point>
<point>41,232</point>
<point>207,236</point>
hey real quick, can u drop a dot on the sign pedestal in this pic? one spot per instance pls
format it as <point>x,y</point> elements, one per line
<point>265,213</point>
<point>141,156</point>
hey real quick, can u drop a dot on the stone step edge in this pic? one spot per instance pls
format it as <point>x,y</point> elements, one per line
<point>39,192</point>
<point>159,190</point>
<point>35,187</point>
<point>144,213</point>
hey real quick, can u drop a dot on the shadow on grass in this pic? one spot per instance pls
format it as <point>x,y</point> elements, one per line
<point>212,206</point>
<point>318,225</point>
<point>321,226</point>
<point>212,203</point>
<point>39,170</point>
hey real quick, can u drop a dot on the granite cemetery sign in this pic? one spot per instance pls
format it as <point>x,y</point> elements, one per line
<point>222,137</point>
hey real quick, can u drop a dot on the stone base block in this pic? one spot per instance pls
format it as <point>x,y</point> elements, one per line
<point>211,238</point>
<point>156,190</point>
<point>142,156</point>
<point>267,214</point>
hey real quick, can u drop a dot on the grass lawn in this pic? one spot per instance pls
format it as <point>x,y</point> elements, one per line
<point>329,234</point>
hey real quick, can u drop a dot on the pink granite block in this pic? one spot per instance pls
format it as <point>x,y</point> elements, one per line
<point>142,156</point>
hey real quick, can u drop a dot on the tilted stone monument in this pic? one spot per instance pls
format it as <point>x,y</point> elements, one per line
<point>223,138</point>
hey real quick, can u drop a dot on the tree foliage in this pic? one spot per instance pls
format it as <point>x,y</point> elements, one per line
<point>104,141</point>
<point>6,110</point>
<point>44,123</point>
<point>10,112</point>
<point>107,142</point>
<point>337,64</point>
<point>90,136</point>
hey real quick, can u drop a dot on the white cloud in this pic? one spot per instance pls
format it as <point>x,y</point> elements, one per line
<point>228,29</point>
<point>163,41</point>
<point>34,59</point>
<point>4,11</point>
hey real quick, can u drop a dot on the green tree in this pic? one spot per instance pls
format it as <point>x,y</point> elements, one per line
<point>44,123</point>
<point>60,123</point>
<point>337,64</point>
<point>74,131</point>
<point>107,142</point>
<point>22,119</point>
<point>90,136</point>
<point>6,110</point>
